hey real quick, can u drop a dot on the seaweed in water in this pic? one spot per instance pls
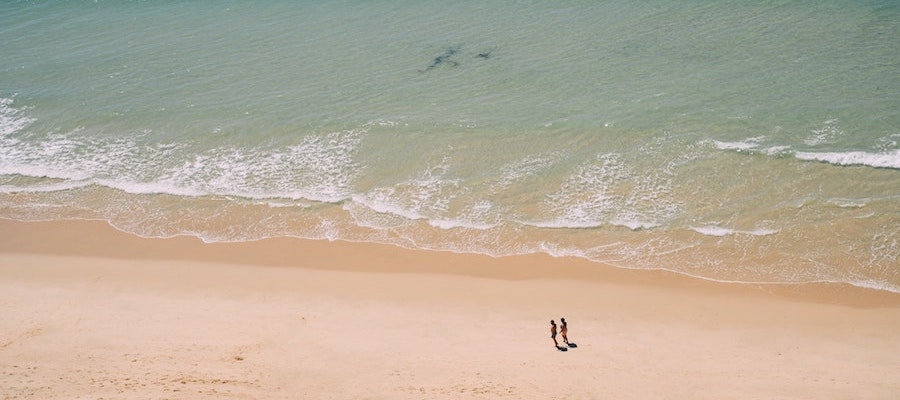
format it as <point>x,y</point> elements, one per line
<point>444,59</point>
<point>447,58</point>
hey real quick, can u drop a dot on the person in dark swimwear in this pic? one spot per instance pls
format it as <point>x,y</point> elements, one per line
<point>553,333</point>
<point>563,330</point>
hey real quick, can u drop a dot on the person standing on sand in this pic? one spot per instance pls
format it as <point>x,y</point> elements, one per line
<point>553,333</point>
<point>563,330</point>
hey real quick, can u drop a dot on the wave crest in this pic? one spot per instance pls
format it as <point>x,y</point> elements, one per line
<point>877,160</point>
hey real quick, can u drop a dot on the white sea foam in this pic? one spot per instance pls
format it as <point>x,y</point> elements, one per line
<point>848,203</point>
<point>889,142</point>
<point>612,191</point>
<point>890,159</point>
<point>383,122</point>
<point>714,230</point>
<point>426,196</point>
<point>635,225</point>
<point>875,285</point>
<point>12,119</point>
<point>150,188</point>
<point>320,168</point>
<point>886,159</point>
<point>556,250</point>
<point>42,171</point>
<point>743,145</point>
<point>72,157</point>
<point>382,202</point>
<point>479,216</point>
<point>283,204</point>
<point>777,150</point>
<point>827,133</point>
<point>586,198</point>
<point>752,145</point>
<point>525,168</point>
<point>559,224</point>
<point>45,187</point>
<point>364,215</point>
<point>452,224</point>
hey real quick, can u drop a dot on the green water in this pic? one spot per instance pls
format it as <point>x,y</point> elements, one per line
<point>734,141</point>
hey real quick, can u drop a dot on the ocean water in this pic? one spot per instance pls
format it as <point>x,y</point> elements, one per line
<point>732,140</point>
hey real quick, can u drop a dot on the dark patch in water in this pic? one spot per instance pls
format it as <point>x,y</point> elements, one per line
<point>444,59</point>
<point>447,58</point>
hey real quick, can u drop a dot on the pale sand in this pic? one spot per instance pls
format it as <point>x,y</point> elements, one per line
<point>87,312</point>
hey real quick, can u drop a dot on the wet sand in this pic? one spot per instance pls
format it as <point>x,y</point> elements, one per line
<point>91,312</point>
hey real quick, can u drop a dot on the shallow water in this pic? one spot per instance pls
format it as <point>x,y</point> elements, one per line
<point>728,141</point>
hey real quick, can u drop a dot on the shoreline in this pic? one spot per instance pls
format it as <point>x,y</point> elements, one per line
<point>96,238</point>
<point>94,312</point>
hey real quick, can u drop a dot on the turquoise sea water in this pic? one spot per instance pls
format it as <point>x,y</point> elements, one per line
<point>733,140</point>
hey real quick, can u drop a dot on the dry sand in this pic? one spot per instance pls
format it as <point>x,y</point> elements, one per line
<point>87,312</point>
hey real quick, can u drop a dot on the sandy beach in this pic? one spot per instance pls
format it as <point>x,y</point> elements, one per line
<point>89,312</point>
